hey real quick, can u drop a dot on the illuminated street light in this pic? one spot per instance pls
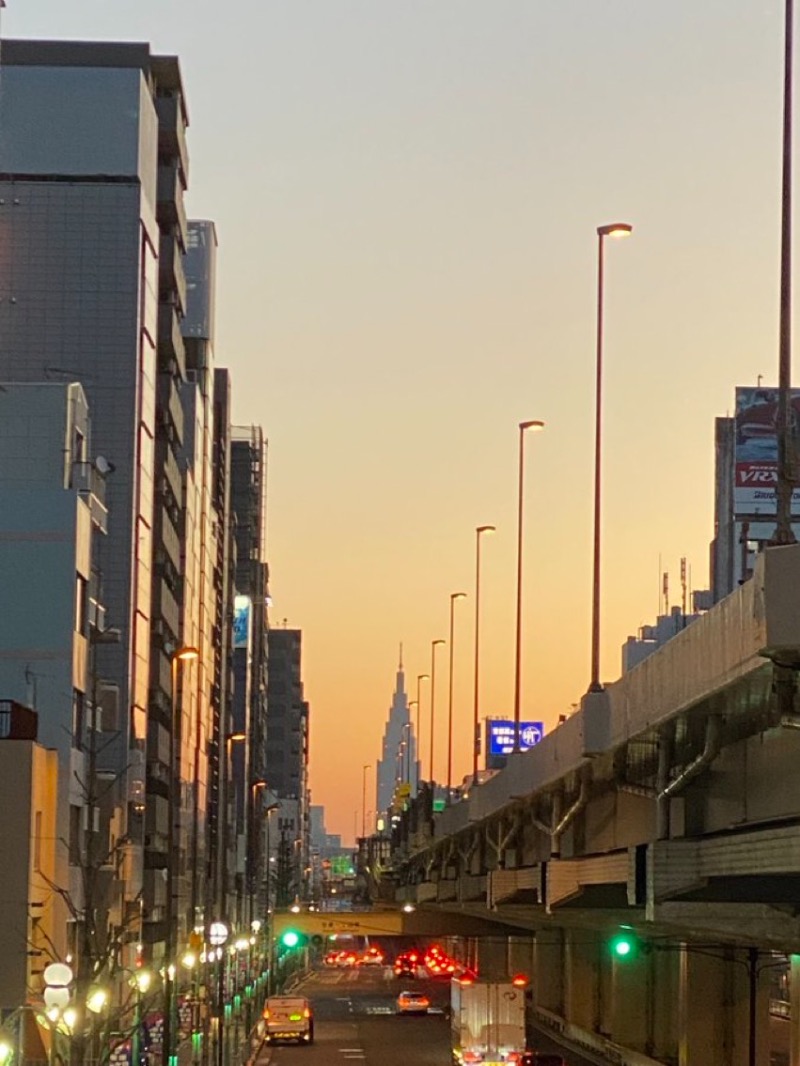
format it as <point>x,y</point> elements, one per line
<point>434,645</point>
<point>476,722</point>
<point>784,534</point>
<point>614,230</point>
<point>420,679</point>
<point>180,656</point>
<point>534,425</point>
<point>453,597</point>
<point>96,1000</point>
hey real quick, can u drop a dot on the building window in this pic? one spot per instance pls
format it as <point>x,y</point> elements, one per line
<point>37,842</point>
<point>78,718</point>
<point>74,835</point>
<point>81,604</point>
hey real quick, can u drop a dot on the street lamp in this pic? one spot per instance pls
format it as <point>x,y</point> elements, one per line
<point>476,725</point>
<point>420,679</point>
<point>364,769</point>
<point>434,645</point>
<point>267,812</point>
<point>218,934</point>
<point>179,656</point>
<point>784,534</point>
<point>534,425</point>
<point>225,777</point>
<point>453,597</point>
<point>252,851</point>
<point>407,743</point>
<point>615,230</point>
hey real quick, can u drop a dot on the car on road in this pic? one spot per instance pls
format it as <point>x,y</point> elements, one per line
<point>412,1003</point>
<point>372,957</point>
<point>288,1018</point>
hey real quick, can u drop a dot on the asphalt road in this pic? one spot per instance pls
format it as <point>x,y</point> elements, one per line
<point>355,1023</point>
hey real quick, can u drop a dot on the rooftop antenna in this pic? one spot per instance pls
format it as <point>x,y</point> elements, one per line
<point>658,612</point>
<point>683,586</point>
<point>401,656</point>
<point>665,588</point>
<point>759,379</point>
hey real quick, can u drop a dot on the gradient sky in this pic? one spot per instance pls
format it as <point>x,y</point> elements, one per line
<point>406,196</point>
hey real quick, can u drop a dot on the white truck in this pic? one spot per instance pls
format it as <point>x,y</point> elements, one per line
<point>488,1022</point>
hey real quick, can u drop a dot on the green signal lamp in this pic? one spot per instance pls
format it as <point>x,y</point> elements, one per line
<point>623,946</point>
<point>290,939</point>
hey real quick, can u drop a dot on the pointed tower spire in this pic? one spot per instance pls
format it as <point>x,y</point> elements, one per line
<point>401,677</point>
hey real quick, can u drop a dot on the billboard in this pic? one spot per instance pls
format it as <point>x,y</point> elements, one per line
<point>500,735</point>
<point>756,451</point>
<point>241,621</point>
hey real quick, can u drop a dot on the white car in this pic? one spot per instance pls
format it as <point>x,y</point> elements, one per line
<point>412,1003</point>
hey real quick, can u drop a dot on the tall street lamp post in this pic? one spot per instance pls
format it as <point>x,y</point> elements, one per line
<point>784,533</point>
<point>476,722</point>
<point>408,726</point>
<point>453,597</point>
<point>434,645</point>
<point>364,769</point>
<point>523,427</point>
<point>252,851</point>
<point>420,679</point>
<point>407,747</point>
<point>179,656</point>
<point>218,935</point>
<point>226,776</point>
<point>616,230</point>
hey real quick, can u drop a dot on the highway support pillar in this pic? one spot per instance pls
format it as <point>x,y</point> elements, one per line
<point>548,970</point>
<point>520,956</point>
<point>493,958</point>
<point>723,1008</point>
<point>582,979</point>
<point>631,997</point>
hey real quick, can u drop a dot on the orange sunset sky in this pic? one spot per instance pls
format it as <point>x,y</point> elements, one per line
<point>406,197</point>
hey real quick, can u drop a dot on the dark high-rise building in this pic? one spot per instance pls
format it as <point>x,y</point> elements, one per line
<point>93,166</point>
<point>287,751</point>
<point>248,759</point>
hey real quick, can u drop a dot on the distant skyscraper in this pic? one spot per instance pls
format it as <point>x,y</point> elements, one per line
<point>398,762</point>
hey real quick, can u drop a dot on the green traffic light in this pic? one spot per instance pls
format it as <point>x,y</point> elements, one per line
<point>622,946</point>
<point>290,939</point>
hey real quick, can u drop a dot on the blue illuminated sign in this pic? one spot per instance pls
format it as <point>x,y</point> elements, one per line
<point>241,622</point>
<point>500,733</point>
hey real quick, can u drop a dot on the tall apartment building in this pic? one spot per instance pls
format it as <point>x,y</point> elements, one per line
<point>52,521</point>
<point>207,590</point>
<point>287,757</point>
<point>248,760</point>
<point>93,168</point>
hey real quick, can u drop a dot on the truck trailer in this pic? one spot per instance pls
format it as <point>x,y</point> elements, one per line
<point>488,1022</point>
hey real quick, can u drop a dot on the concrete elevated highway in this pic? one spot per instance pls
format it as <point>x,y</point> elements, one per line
<point>669,804</point>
